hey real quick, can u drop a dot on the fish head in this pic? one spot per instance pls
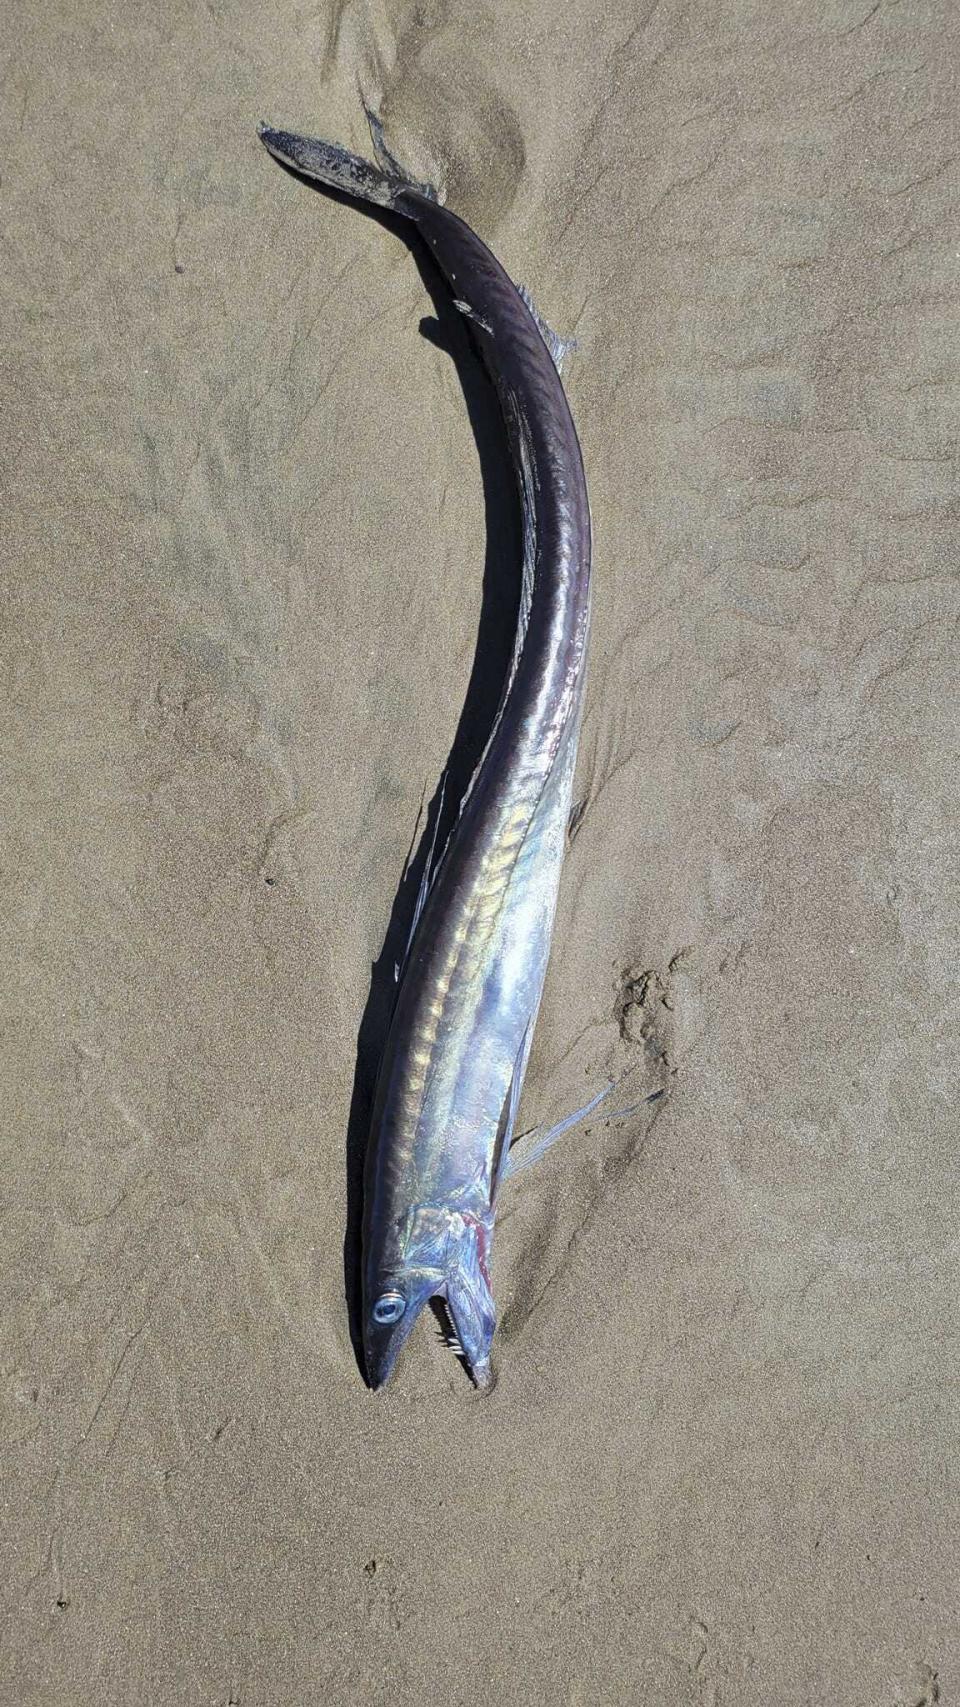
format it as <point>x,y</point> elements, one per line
<point>440,1252</point>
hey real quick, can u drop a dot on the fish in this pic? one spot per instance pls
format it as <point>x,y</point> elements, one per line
<point>470,985</point>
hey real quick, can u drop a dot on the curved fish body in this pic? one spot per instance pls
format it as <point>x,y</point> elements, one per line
<point>470,986</point>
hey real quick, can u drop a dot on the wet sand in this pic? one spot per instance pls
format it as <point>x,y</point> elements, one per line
<point>256,552</point>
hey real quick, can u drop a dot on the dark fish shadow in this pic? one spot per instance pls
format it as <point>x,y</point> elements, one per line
<point>495,635</point>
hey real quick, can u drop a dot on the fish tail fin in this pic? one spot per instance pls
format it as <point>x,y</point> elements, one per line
<point>338,169</point>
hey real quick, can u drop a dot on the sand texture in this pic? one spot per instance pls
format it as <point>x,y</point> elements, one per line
<point>258,579</point>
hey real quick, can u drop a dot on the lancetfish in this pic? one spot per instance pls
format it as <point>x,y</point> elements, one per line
<point>470,985</point>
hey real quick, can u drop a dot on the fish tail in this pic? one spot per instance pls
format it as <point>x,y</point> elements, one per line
<point>337,168</point>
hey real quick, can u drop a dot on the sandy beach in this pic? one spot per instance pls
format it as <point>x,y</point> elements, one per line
<point>259,579</point>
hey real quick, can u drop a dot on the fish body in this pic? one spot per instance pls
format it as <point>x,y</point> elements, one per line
<point>471,983</point>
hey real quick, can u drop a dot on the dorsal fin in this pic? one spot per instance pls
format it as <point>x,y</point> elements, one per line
<point>431,865</point>
<point>559,347</point>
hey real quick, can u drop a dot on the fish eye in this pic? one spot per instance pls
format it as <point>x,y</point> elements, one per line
<point>389,1308</point>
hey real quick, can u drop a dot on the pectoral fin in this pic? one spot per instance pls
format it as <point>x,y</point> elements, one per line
<point>508,1119</point>
<point>530,1146</point>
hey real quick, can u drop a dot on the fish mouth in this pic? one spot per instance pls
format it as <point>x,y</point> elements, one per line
<point>479,1369</point>
<point>383,1345</point>
<point>449,1269</point>
<point>481,1375</point>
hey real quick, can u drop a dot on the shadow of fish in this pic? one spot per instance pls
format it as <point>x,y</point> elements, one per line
<point>472,978</point>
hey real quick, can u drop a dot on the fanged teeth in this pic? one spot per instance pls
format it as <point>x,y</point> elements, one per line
<point>450,1338</point>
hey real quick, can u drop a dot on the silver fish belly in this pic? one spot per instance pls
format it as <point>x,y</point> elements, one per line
<point>471,983</point>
